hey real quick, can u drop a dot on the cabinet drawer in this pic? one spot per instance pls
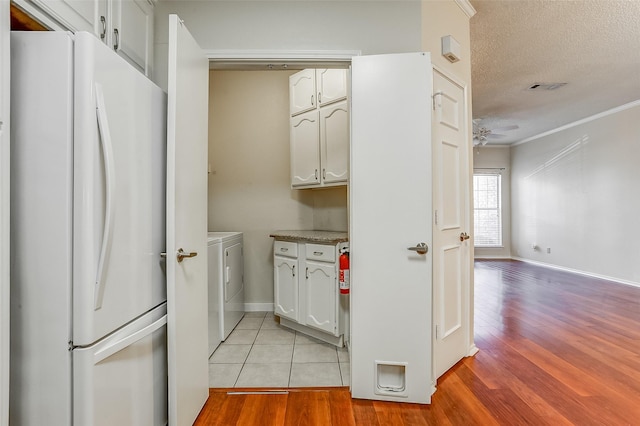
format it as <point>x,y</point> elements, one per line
<point>285,248</point>
<point>320,252</point>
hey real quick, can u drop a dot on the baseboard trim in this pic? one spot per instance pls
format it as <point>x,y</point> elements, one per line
<point>258,307</point>
<point>483,256</point>
<point>473,350</point>
<point>578,271</point>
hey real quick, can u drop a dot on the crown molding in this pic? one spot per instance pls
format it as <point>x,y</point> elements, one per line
<point>466,7</point>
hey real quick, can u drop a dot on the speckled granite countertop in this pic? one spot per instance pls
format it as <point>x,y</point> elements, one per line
<point>322,237</point>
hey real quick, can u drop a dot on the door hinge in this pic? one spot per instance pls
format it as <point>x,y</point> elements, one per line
<point>436,331</point>
<point>435,215</point>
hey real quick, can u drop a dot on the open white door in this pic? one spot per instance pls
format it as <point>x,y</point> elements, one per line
<point>451,240</point>
<point>187,140</point>
<point>391,212</point>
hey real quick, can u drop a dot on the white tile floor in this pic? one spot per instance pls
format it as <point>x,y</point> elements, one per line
<point>261,353</point>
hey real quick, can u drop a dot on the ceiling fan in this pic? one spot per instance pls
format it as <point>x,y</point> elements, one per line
<point>481,134</point>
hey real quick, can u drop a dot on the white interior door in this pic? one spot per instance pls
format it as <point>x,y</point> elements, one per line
<point>390,211</point>
<point>451,290</point>
<point>187,127</point>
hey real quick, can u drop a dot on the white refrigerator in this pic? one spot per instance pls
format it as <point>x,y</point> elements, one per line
<point>88,286</point>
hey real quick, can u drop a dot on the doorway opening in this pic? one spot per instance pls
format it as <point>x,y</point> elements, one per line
<point>249,190</point>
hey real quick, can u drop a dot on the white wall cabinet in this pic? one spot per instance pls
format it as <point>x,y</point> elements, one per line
<point>306,293</point>
<point>319,128</point>
<point>124,25</point>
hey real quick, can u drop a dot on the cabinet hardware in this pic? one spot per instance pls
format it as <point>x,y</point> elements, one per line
<point>312,100</point>
<point>324,173</point>
<point>116,35</point>
<point>284,249</point>
<point>306,273</point>
<point>316,174</point>
<point>319,97</point>
<point>293,270</point>
<point>103,34</point>
<point>318,253</point>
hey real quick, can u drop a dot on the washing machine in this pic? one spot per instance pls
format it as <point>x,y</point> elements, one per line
<point>226,284</point>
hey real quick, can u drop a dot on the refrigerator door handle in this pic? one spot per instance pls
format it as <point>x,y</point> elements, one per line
<point>128,340</point>
<point>110,183</point>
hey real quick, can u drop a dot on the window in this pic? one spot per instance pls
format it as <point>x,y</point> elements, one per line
<point>487,204</point>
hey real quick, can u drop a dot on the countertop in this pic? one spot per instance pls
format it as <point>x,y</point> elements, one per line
<point>321,237</point>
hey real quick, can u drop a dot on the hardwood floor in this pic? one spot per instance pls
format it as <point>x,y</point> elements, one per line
<point>555,349</point>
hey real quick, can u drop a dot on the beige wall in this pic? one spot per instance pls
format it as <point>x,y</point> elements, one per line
<point>441,18</point>
<point>249,184</point>
<point>497,157</point>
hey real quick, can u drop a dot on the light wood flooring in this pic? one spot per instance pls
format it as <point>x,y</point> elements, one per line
<point>555,349</point>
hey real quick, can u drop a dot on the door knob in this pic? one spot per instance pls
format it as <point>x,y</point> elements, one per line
<point>420,248</point>
<point>464,236</point>
<point>181,255</point>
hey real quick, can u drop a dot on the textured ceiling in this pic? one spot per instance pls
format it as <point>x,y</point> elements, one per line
<point>592,45</point>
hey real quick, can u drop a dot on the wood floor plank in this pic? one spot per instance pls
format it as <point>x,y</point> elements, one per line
<point>555,349</point>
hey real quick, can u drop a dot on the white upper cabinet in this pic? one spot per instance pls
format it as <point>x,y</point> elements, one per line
<point>75,15</point>
<point>305,153</point>
<point>302,91</point>
<point>319,128</point>
<point>124,25</point>
<point>332,85</point>
<point>334,142</point>
<point>132,32</point>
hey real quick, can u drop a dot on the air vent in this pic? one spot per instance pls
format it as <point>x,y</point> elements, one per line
<point>545,86</point>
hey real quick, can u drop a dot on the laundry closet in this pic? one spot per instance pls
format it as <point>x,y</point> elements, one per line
<point>252,188</point>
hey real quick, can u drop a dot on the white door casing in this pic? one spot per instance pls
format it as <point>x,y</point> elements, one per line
<point>451,280</point>
<point>391,210</point>
<point>5,70</point>
<point>187,142</point>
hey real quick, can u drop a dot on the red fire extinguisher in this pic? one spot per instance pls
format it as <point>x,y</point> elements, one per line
<point>344,272</point>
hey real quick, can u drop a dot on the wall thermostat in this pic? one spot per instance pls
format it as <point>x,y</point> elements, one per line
<point>450,48</point>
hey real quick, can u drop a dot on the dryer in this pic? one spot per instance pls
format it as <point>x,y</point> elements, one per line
<point>226,284</point>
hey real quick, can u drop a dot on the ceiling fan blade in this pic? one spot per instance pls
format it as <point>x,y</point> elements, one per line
<point>496,136</point>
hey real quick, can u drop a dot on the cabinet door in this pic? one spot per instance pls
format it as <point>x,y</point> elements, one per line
<point>132,32</point>
<point>302,91</point>
<point>321,296</point>
<point>76,15</point>
<point>305,149</point>
<point>334,142</point>
<point>332,85</point>
<point>285,292</point>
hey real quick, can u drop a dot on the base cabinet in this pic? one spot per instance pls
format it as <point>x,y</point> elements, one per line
<point>306,289</point>
<point>286,287</point>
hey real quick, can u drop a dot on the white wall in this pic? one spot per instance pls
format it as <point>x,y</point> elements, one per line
<point>250,187</point>
<point>497,157</point>
<point>576,192</point>
<point>4,212</point>
<point>380,26</point>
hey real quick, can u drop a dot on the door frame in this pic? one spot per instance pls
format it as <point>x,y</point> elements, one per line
<point>316,58</point>
<point>471,348</point>
<point>5,70</point>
